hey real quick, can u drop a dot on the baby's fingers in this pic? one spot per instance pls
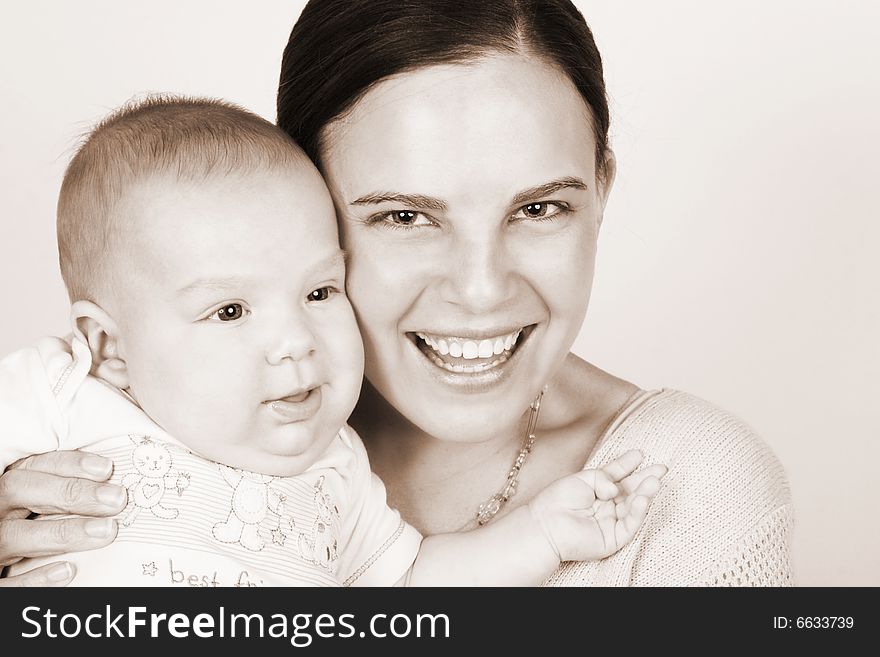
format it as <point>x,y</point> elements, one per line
<point>623,465</point>
<point>649,487</point>
<point>627,526</point>
<point>600,482</point>
<point>646,491</point>
<point>633,481</point>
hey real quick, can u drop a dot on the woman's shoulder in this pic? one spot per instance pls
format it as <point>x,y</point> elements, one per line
<point>719,467</point>
<point>686,431</point>
<point>699,442</point>
<point>723,514</point>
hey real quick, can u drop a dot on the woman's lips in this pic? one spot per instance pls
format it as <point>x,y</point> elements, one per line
<point>296,408</point>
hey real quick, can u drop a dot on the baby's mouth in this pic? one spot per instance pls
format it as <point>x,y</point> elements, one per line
<point>470,355</point>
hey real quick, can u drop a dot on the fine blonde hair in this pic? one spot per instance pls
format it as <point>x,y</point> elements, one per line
<point>190,139</point>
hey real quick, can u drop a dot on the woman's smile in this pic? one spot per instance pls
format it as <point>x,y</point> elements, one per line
<point>461,353</point>
<point>470,362</point>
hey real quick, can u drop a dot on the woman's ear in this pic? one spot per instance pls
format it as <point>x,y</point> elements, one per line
<point>605,181</point>
<point>95,326</point>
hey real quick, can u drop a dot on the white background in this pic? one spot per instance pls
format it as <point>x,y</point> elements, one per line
<point>738,255</point>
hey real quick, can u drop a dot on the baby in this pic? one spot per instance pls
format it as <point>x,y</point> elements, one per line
<point>216,358</point>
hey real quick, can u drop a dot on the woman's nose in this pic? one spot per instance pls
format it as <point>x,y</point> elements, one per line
<point>293,341</point>
<point>478,276</point>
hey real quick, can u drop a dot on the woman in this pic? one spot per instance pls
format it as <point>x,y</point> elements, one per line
<point>465,145</point>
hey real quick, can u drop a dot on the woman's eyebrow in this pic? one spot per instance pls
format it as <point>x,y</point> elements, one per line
<point>549,188</point>
<point>410,200</point>
<point>423,202</point>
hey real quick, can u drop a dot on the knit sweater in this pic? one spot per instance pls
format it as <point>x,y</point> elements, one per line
<point>723,516</point>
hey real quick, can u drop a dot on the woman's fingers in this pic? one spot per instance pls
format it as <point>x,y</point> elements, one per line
<point>40,492</point>
<point>40,538</point>
<point>81,465</point>
<point>623,465</point>
<point>60,482</point>
<point>59,573</point>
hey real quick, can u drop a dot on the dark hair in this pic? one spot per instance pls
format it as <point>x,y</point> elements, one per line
<point>339,49</point>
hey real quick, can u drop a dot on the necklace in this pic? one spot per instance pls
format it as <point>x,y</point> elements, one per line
<point>490,508</point>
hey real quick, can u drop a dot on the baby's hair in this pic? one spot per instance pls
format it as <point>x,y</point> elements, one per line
<point>191,139</point>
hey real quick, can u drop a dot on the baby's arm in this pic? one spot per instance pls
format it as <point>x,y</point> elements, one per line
<point>29,410</point>
<point>580,517</point>
<point>32,421</point>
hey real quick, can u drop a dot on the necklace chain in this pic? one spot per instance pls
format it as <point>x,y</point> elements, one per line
<point>490,508</point>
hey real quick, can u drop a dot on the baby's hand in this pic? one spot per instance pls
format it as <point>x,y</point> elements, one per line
<point>593,513</point>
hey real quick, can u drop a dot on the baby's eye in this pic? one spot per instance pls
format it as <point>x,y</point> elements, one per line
<point>540,211</point>
<point>321,293</point>
<point>229,313</point>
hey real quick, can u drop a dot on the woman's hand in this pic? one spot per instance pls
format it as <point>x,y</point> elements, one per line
<point>49,484</point>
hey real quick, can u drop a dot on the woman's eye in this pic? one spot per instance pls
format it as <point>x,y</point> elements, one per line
<point>229,313</point>
<point>321,294</point>
<point>402,219</point>
<point>539,211</point>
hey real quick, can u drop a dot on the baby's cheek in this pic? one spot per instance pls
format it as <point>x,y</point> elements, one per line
<point>349,362</point>
<point>212,407</point>
<point>340,343</point>
<point>345,371</point>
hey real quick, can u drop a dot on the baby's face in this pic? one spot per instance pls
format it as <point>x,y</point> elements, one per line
<point>233,320</point>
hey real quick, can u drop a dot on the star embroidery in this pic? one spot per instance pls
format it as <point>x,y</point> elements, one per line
<point>278,536</point>
<point>150,568</point>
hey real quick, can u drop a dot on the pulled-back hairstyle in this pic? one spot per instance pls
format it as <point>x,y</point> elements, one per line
<point>191,139</point>
<point>339,49</point>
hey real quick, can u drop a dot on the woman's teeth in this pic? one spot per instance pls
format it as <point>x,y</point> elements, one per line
<point>499,346</point>
<point>471,349</point>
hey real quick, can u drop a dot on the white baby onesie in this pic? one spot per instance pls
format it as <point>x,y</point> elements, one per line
<point>191,521</point>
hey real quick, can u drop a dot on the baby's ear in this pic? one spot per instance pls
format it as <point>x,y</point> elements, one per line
<point>95,326</point>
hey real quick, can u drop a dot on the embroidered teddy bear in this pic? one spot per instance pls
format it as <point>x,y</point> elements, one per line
<point>154,477</point>
<point>252,500</point>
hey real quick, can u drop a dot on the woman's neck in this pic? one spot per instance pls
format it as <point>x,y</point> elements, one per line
<point>436,484</point>
<point>393,441</point>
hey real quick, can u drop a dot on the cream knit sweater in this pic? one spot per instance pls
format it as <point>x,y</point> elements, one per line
<point>723,516</point>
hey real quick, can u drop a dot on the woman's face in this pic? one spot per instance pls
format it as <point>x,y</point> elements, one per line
<point>469,205</point>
